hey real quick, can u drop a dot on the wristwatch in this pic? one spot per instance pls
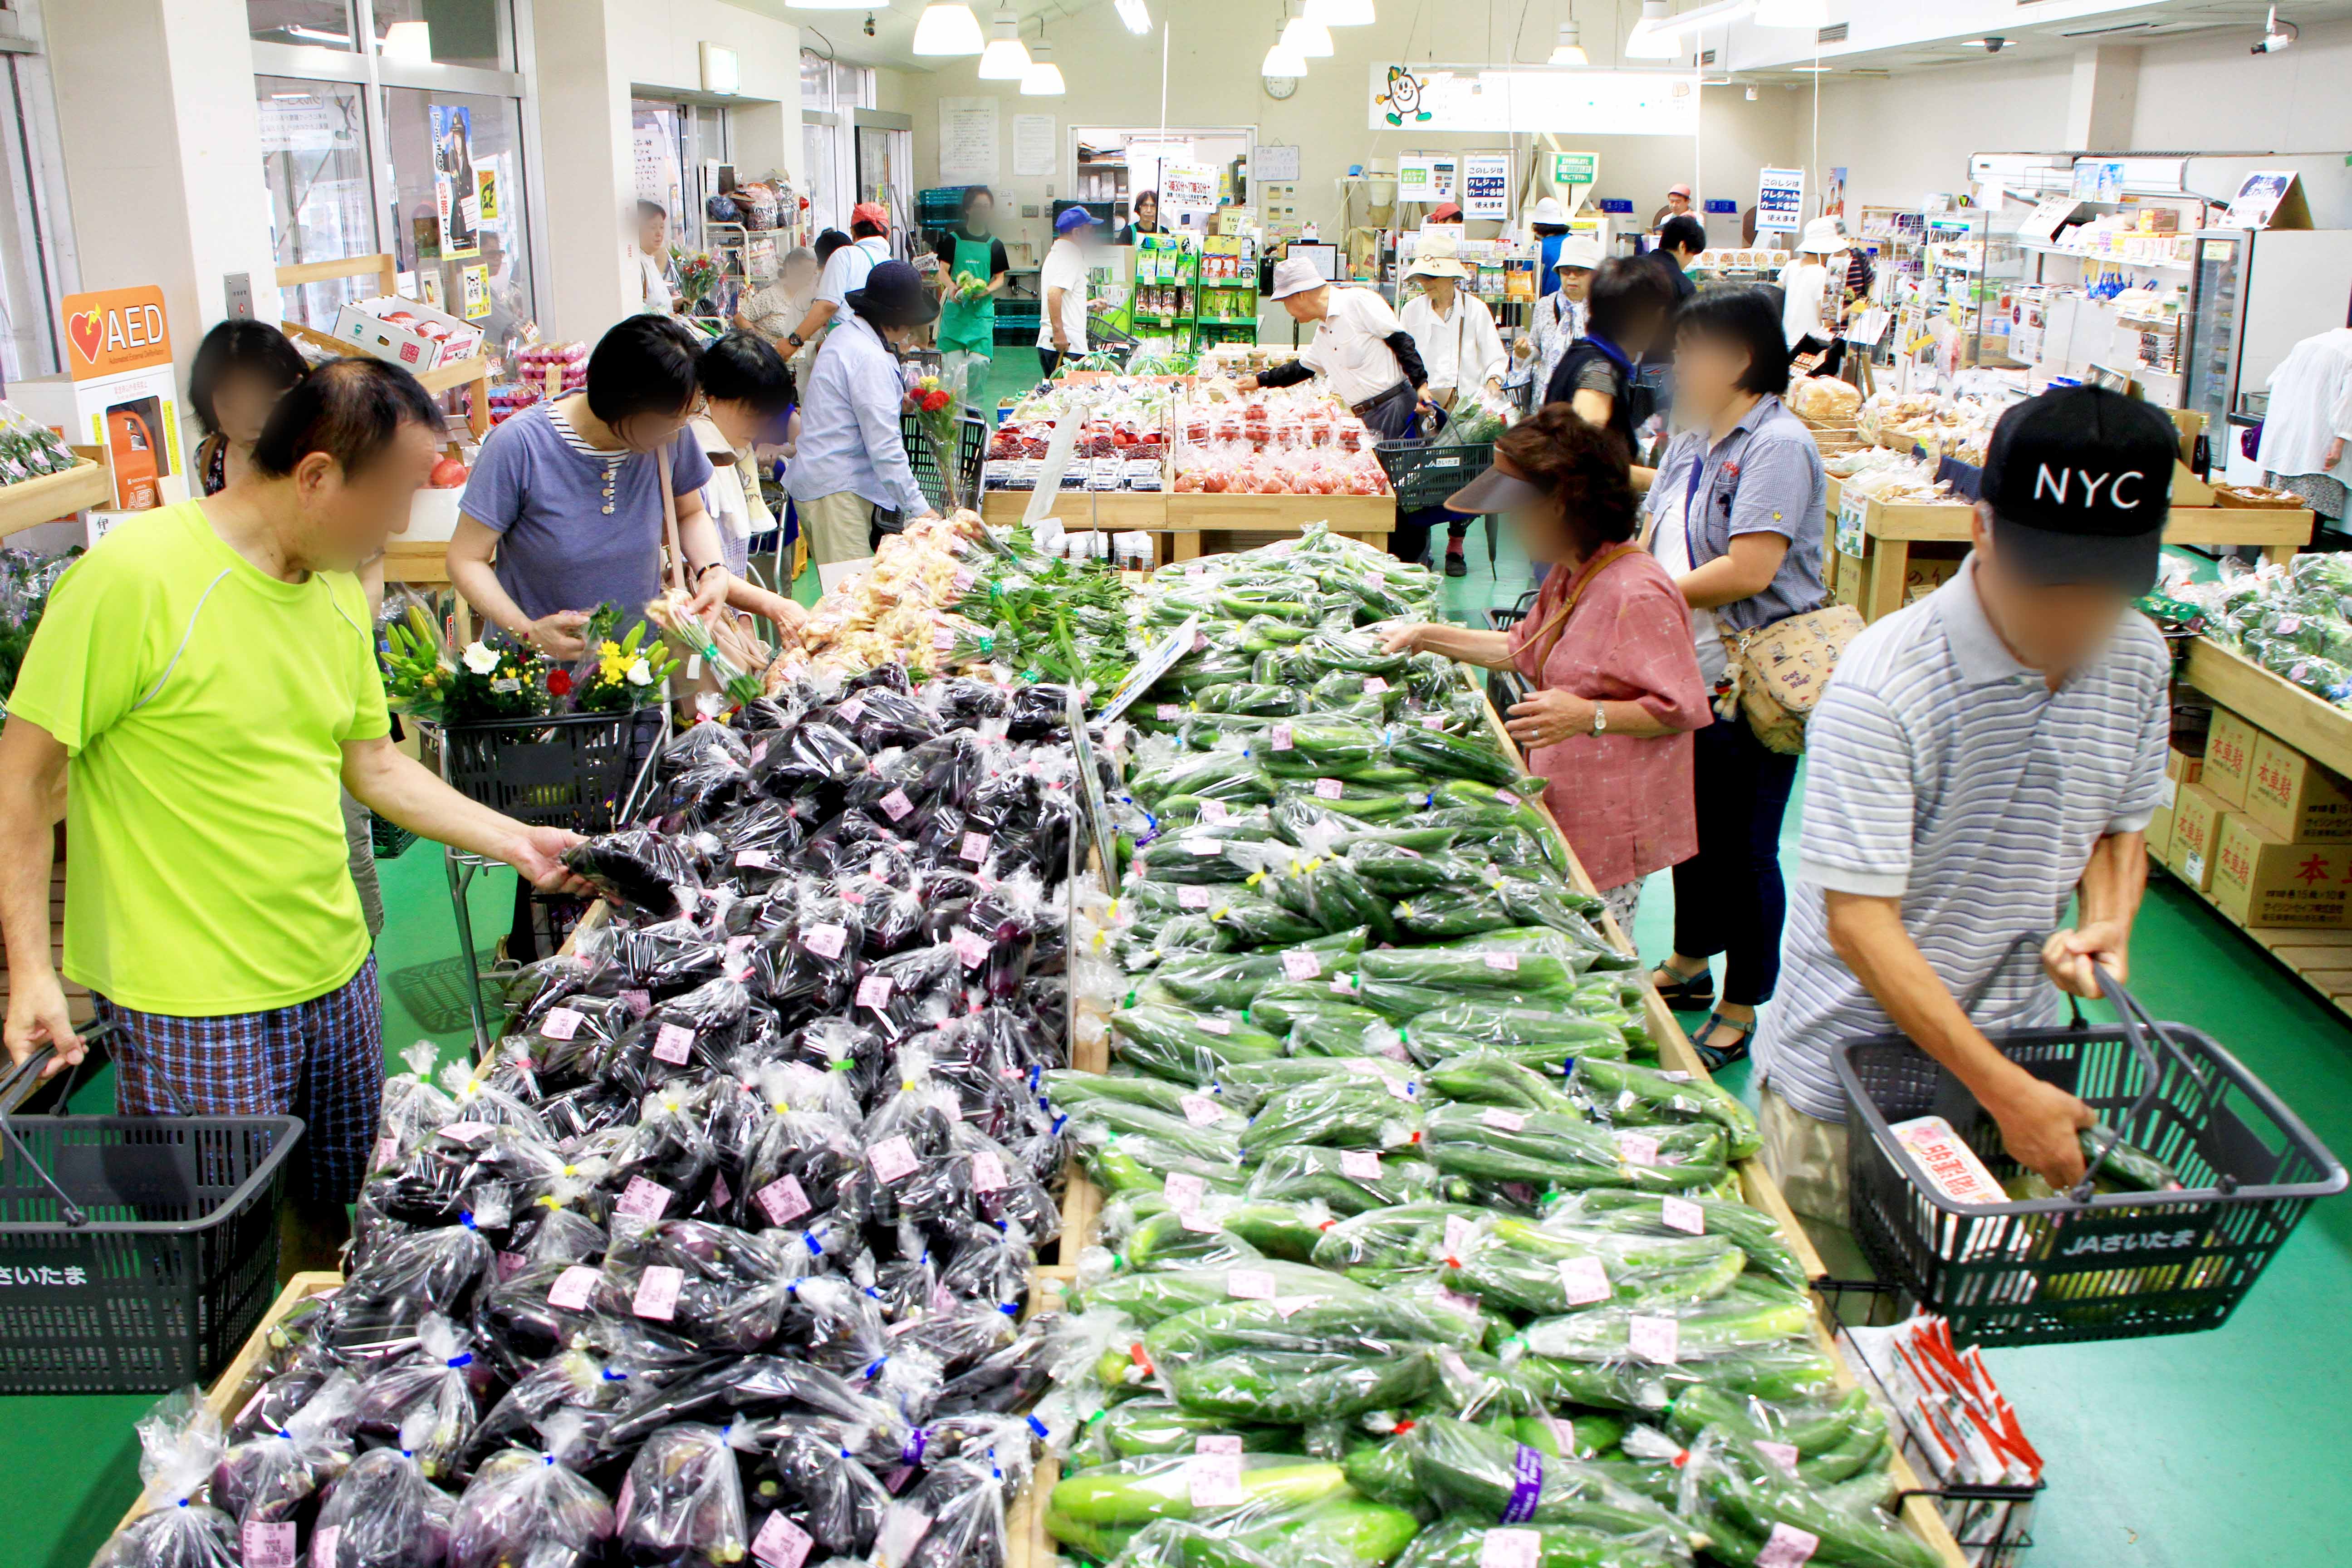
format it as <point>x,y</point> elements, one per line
<point>1600,719</point>
<point>793,339</point>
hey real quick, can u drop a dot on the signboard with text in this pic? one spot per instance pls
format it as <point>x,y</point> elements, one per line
<point>1424,96</point>
<point>1780,199</point>
<point>1487,186</point>
<point>118,356</point>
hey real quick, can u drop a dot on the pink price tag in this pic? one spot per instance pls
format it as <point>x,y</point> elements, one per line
<point>971,950</point>
<point>851,707</point>
<point>1302,966</point>
<point>1250,1284</point>
<point>1169,713</point>
<point>467,1132</point>
<point>323,1542</point>
<point>987,1171</point>
<point>1433,722</point>
<point>1510,1549</point>
<point>1655,1340</point>
<point>1507,961</point>
<point>387,1150</point>
<point>942,639</point>
<point>903,1529</point>
<point>1681,1214</point>
<point>674,1044</point>
<point>827,940</point>
<point>1194,896</point>
<point>893,1159</point>
<point>1505,1121</point>
<point>657,1296</point>
<point>1459,1229</point>
<point>755,859</point>
<point>1375,685</point>
<point>964,579</point>
<point>569,1293</point>
<point>1458,1301</point>
<point>1359,1165</point>
<point>1201,1110</point>
<point>874,992</point>
<point>781,1543</point>
<point>1215,811</point>
<point>895,805</point>
<point>1184,1192</point>
<point>722,1194</point>
<point>638,1002</point>
<point>1281,740</point>
<point>1216,1443</point>
<point>1637,1148</point>
<point>560,1023</point>
<point>1507,797</point>
<point>1330,789</point>
<point>1214,1026</point>
<point>642,1199</point>
<point>783,1201</point>
<point>1214,1481</point>
<point>1781,1454</point>
<point>1787,1547</point>
<point>269,1545</point>
<point>1583,1281</point>
<point>975,847</point>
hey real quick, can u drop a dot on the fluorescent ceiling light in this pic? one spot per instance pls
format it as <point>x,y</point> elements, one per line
<point>1340,13</point>
<point>1814,71</point>
<point>409,41</point>
<point>1652,38</point>
<point>1569,50</point>
<point>1312,40</point>
<point>1698,16</point>
<point>1793,12</point>
<point>948,31</point>
<point>1044,77</point>
<point>317,35</point>
<point>1004,59</point>
<point>1136,16</point>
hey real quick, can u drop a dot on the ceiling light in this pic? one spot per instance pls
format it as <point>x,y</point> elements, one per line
<point>1569,50</point>
<point>409,41</point>
<point>1793,12</point>
<point>1134,13</point>
<point>1312,40</point>
<point>1044,77</point>
<point>1815,70</point>
<point>1647,41</point>
<point>1004,59</point>
<point>1340,13</point>
<point>948,31</point>
<point>1282,60</point>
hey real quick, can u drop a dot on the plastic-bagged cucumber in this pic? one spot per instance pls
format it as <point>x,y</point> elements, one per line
<point>1629,1096</point>
<point>1385,1245</point>
<point>1441,755</point>
<point>1344,1112</point>
<point>1498,969</point>
<point>1518,1025</point>
<point>1702,1331</point>
<point>1515,1263</point>
<point>1148,1298</point>
<point>1486,1474</point>
<point>1185,1047</point>
<point>1345,1031</point>
<point>1350,1180</point>
<point>1459,1543</point>
<point>1399,872</point>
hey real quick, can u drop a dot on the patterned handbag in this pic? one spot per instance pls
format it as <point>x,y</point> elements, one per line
<point>1780,671</point>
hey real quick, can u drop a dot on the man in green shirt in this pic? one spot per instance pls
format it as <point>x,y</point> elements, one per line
<point>200,683</point>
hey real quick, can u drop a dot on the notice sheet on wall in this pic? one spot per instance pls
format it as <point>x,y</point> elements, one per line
<point>967,140</point>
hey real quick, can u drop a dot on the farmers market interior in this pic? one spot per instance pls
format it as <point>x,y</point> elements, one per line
<point>1253,783</point>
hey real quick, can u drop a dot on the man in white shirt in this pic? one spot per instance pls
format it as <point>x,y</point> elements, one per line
<point>845,270</point>
<point>851,480</point>
<point>1360,346</point>
<point>1062,323</point>
<point>651,253</point>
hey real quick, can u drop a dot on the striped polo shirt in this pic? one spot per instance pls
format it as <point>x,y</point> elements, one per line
<point>1941,772</point>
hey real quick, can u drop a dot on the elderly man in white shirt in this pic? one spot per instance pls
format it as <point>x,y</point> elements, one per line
<point>851,480</point>
<point>1062,286</point>
<point>1360,347</point>
<point>845,270</point>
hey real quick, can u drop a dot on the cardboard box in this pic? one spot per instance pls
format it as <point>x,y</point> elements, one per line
<point>2197,823</point>
<point>2229,757</point>
<point>2261,879</point>
<point>2295,798</point>
<point>362,325</point>
<point>2159,834</point>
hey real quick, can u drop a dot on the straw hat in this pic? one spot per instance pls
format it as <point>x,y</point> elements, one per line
<point>1436,267</point>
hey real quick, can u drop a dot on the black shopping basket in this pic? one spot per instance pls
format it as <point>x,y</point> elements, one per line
<point>1507,686</point>
<point>2081,1264</point>
<point>971,447</point>
<point>571,771</point>
<point>1424,469</point>
<point>137,1253</point>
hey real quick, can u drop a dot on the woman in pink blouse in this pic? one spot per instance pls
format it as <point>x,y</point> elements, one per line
<point>1607,648</point>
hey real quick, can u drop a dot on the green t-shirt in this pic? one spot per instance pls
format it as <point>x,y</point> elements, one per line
<point>204,703</point>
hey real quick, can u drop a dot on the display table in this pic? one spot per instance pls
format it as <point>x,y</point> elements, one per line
<point>421,561</point>
<point>53,496</point>
<point>78,1007</point>
<point>1184,518</point>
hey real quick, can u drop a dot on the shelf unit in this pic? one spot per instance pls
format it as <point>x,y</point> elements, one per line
<point>473,373</point>
<point>1969,270</point>
<point>53,496</point>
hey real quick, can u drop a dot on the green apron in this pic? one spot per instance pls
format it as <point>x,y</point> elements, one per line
<point>969,329</point>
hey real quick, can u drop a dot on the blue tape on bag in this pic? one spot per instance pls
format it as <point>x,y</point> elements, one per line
<point>1526,1485</point>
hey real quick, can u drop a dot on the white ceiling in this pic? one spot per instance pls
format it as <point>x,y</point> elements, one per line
<point>1934,44</point>
<point>893,41</point>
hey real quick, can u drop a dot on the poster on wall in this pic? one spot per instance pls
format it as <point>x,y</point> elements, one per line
<point>1560,103</point>
<point>486,194</point>
<point>1188,194</point>
<point>455,198</point>
<point>1033,146</point>
<point>119,357</point>
<point>1781,200</point>
<point>1487,186</point>
<point>474,283</point>
<point>1833,194</point>
<point>967,140</point>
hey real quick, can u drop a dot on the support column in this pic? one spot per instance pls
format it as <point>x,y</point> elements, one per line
<point>2099,104</point>
<point>588,171</point>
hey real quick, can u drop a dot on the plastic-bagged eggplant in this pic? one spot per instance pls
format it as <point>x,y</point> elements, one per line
<point>562,1041</point>
<point>566,1379</point>
<point>393,1288</point>
<point>526,1510</point>
<point>955,1514</point>
<point>706,769</point>
<point>879,717</point>
<point>269,1475</point>
<point>413,1106</point>
<point>383,1513</point>
<point>425,1400</point>
<point>808,1487</point>
<point>762,1388</point>
<point>712,1285</point>
<point>479,1104</point>
<point>842,1329</point>
<point>179,1442</point>
<point>808,758</point>
<point>638,866</point>
<point>681,1505</point>
<point>1007,1379</point>
<point>667,956</point>
<point>664,1167</point>
<point>962,701</point>
<point>796,1166</point>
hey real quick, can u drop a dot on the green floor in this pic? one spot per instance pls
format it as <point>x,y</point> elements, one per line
<point>2200,1451</point>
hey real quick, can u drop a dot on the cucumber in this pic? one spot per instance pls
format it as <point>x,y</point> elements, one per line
<point>1343,1113</point>
<point>1586,1438</point>
<point>1152,1298</point>
<point>1286,1388</point>
<point>1631,1096</point>
<point>1710,1328</point>
<point>1487,1475</point>
<point>1388,1244</point>
<point>1172,1043</point>
<point>1134,1493</point>
<point>1441,755</point>
<point>1339,1317</point>
<point>1460,1542</point>
<point>1300,1172</point>
<point>1484,1076</point>
<point>1529,1268</point>
<point>1645,1212</point>
<point>1521,973</point>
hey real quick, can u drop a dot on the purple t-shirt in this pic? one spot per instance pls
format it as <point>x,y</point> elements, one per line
<point>576,528</point>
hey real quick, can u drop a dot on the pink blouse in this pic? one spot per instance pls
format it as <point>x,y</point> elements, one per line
<point>1626,803</point>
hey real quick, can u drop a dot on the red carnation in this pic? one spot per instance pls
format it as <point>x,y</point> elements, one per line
<point>559,683</point>
<point>934,401</point>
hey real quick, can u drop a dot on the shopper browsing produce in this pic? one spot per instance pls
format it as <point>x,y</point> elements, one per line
<point>1360,347</point>
<point>202,681</point>
<point>844,269</point>
<point>1062,287</point>
<point>973,269</point>
<point>747,396</point>
<point>851,479</point>
<point>1736,517</point>
<point>1463,356</point>
<point>1628,309</point>
<point>1809,299</point>
<point>773,311</point>
<point>1982,757</point>
<point>1607,650</point>
<point>1559,315</point>
<point>240,371</point>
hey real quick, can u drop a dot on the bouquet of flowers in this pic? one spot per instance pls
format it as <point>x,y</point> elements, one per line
<point>935,412</point>
<point>425,678</point>
<point>698,275</point>
<point>615,676</point>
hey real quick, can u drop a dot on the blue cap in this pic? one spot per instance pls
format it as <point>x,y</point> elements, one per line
<point>1074,218</point>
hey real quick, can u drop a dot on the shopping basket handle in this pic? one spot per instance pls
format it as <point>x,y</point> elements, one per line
<point>2131,1017</point>
<point>19,1082</point>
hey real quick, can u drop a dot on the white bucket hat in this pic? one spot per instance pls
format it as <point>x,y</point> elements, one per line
<point>1295,275</point>
<point>1578,253</point>
<point>1821,237</point>
<point>1547,210</point>
<point>1436,267</point>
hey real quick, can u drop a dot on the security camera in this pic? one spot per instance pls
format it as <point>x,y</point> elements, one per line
<point>1994,45</point>
<point>869,23</point>
<point>2276,35</point>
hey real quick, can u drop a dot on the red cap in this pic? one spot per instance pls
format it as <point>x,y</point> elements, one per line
<point>1449,213</point>
<point>871,212</point>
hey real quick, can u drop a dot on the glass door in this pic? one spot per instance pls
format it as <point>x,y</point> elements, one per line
<point>2216,324</point>
<point>886,161</point>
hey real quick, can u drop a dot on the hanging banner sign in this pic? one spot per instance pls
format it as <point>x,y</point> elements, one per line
<point>1425,179</point>
<point>1487,186</point>
<point>1565,103</point>
<point>1780,199</point>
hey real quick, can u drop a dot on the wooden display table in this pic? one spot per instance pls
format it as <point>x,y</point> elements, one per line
<point>1183,518</point>
<point>418,561</point>
<point>54,496</point>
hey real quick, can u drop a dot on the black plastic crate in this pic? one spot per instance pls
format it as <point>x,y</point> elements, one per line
<point>1424,474</point>
<point>971,447</point>
<point>568,771</point>
<point>390,840</point>
<point>2081,1266</point>
<point>169,1265</point>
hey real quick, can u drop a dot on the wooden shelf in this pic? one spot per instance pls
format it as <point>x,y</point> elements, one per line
<point>417,561</point>
<point>2320,956</point>
<point>53,496</point>
<point>2320,730</point>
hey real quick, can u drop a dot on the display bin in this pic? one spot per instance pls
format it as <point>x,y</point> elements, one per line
<point>151,1257</point>
<point>549,772</point>
<point>2069,1268</point>
<point>1423,475</point>
<point>971,447</point>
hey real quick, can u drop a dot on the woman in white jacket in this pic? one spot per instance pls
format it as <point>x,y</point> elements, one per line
<point>2309,421</point>
<point>1462,353</point>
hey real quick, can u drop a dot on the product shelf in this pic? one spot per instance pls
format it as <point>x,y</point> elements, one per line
<point>53,496</point>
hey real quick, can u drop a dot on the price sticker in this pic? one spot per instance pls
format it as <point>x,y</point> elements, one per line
<point>1781,1454</point>
<point>1510,1549</point>
<point>1433,722</point>
<point>638,1002</point>
<point>781,1543</point>
<point>1507,961</point>
<point>1214,1481</point>
<point>1507,797</point>
<point>387,1150</point>
<point>1787,1547</point>
<point>324,1542</point>
<point>467,1132</point>
<point>269,1545</point>
<point>1375,685</point>
<point>1280,740</point>
<point>1330,789</point>
<point>893,1158</point>
<point>1201,848</point>
<point>1583,1281</point>
<point>1681,1214</point>
<point>642,1199</point>
<point>1250,1284</point>
<point>1215,811</point>
<point>1637,1148</point>
<point>1168,712</point>
<point>1185,1194</point>
<point>1302,965</point>
<point>1214,1026</point>
<point>851,708</point>
<point>1359,1165</point>
<point>657,1297</point>
<point>895,805</point>
<point>561,1023</point>
<point>570,1291</point>
<point>1459,1230</point>
<point>903,1529</point>
<point>1655,1340</point>
<point>971,950</point>
<point>827,940</point>
<point>722,1194</point>
<point>1201,1110</point>
<point>1216,1443</point>
<point>1194,896</point>
<point>975,847</point>
<point>755,859</point>
<point>874,992</point>
<point>673,1042</point>
<point>987,1171</point>
<point>1506,1120</point>
<point>783,1201</point>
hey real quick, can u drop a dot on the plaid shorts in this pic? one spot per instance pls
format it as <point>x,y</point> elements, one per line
<point>321,1060</point>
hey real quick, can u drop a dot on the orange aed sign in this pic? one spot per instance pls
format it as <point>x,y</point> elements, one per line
<point>115,331</point>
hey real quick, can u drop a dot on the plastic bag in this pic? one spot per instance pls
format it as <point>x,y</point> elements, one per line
<point>383,1513</point>
<point>179,1443</point>
<point>425,1400</point>
<point>681,1505</point>
<point>714,1286</point>
<point>526,1510</point>
<point>651,870</point>
<point>266,1478</point>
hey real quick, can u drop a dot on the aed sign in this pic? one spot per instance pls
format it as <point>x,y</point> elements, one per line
<point>114,331</point>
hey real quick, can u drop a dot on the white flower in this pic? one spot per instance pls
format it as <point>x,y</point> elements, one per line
<point>480,659</point>
<point>641,674</point>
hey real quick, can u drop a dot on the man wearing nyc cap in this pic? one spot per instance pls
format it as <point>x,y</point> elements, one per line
<point>1982,757</point>
<point>845,270</point>
<point>1360,346</point>
<point>1062,323</point>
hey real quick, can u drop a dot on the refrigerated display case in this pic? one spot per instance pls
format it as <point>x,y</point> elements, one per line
<point>2253,295</point>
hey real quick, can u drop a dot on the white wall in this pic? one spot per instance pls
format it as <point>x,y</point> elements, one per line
<point>661,46</point>
<point>1901,137</point>
<point>1114,79</point>
<point>2212,94</point>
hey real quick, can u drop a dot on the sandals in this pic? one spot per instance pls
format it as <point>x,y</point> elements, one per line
<point>1683,995</point>
<point>1718,1057</point>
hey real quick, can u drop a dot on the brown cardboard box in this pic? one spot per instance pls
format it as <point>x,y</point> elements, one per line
<point>2197,823</point>
<point>2229,757</point>
<point>2261,879</point>
<point>2160,833</point>
<point>2295,797</point>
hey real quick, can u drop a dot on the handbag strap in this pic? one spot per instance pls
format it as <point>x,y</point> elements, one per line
<point>669,521</point>
<point>1548,634</point>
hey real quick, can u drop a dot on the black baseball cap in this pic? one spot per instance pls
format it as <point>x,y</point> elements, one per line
<point>894,296</point>
<point>2080,481</point>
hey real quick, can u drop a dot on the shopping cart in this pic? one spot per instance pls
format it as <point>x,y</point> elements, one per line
<point>2082,1265</point>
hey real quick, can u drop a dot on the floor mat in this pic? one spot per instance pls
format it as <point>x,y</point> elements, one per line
<point>434,993</point>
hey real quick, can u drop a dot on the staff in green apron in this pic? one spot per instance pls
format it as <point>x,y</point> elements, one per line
<point>971,272</point>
